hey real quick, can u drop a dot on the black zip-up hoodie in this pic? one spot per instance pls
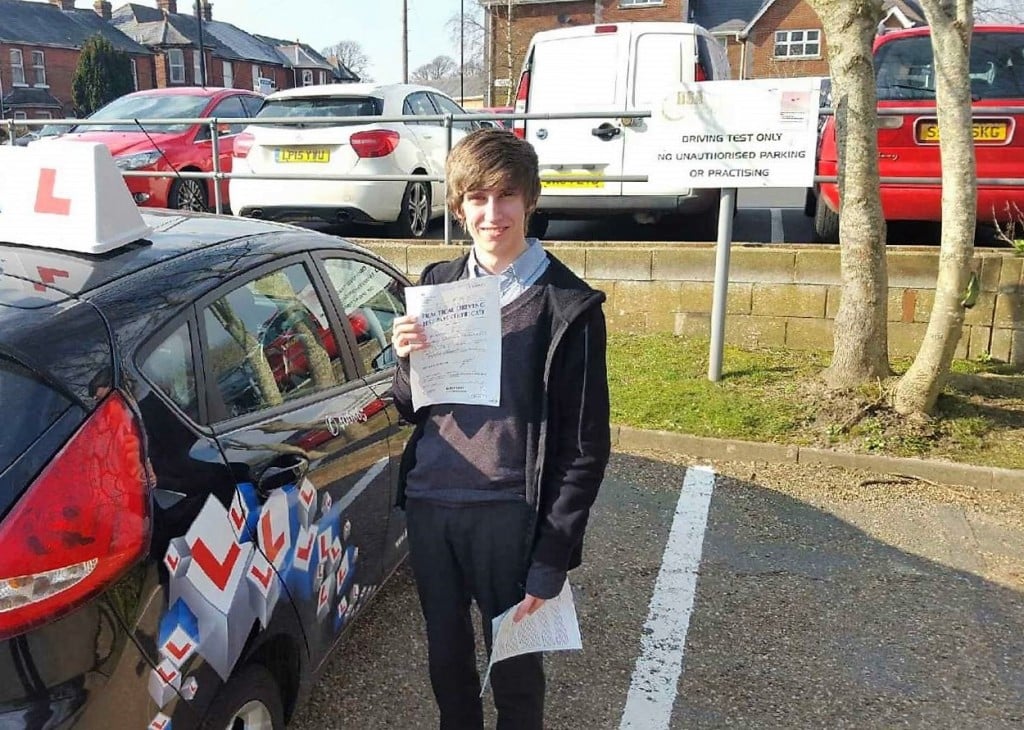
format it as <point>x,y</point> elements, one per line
<point>566,462</point>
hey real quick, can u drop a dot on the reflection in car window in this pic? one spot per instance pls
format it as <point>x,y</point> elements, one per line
<point>322,106</point>
<point>371,299</point>
<point>269,341</point>
<point>905,67</point>
<point>169,368</point>
<point>447,106</point>
<point>152,106</point>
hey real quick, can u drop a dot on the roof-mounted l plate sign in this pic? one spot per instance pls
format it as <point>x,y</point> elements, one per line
<point>66,195</point>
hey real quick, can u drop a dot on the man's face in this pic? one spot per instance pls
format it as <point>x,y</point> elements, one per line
<point>496,220</point>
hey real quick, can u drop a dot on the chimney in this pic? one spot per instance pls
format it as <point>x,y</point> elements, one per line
<point>170,7</point>
<point>207,11</point>
<point>64,4</point>
<point>102,8</point>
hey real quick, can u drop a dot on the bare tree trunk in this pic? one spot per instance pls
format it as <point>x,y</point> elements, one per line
<point>861,337</point>
<point>951,24</point>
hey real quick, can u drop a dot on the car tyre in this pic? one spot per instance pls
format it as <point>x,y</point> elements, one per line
<point>414,215</point>
<point>538,226</point>
<point>188,194</point>
<point>251,699</point>
<point>826,223</point>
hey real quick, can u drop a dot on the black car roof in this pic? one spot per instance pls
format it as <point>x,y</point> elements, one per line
<point>174,234</point>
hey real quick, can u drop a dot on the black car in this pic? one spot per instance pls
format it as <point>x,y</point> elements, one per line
<point>196,491</point>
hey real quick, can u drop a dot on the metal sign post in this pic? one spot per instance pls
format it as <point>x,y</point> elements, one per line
<point>727,135</point>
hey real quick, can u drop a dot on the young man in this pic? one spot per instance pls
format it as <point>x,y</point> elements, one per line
<point>497,498</point>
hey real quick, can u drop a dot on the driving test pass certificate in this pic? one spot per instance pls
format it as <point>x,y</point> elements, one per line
<point>462,323</point>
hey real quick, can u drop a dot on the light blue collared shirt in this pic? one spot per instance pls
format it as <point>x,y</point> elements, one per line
<point>517,276</point>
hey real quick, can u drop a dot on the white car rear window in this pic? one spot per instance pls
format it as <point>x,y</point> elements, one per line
<point>322,106</point>
<point>580,73</point>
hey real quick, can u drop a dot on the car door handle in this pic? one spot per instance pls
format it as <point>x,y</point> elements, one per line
<point>282,472</point>
<point>606,131</point>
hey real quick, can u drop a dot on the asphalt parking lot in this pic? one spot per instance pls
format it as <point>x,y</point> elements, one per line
<point>825,598</point>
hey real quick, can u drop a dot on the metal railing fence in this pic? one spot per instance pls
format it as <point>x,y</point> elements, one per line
<point>448,122</point>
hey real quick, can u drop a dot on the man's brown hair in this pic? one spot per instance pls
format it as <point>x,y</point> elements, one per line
<point>492,158</point>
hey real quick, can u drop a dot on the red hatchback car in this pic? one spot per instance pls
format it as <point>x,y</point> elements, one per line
<point>908,144</point>
<point>173,146</point>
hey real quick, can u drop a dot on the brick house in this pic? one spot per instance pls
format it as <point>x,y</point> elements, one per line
<point>764,38</point>
<point>39,48</point>
<point>230,56</point>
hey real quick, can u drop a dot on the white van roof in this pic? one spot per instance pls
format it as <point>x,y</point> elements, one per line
<point>649,27</point>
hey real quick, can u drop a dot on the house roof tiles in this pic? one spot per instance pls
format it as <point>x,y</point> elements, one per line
<point>43,24</point>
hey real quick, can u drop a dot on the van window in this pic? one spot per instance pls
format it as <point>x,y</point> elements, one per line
<point>662,61</point>
<point>578,72</point>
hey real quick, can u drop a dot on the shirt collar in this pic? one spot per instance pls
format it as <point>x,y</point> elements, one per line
<point>520,270</point>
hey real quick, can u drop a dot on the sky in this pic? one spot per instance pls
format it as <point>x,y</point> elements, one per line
<point>376,25</point>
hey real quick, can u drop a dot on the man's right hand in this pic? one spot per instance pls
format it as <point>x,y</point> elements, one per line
<point>407,335</point>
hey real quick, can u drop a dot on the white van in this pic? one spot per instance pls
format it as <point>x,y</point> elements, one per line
<point>613,66</point>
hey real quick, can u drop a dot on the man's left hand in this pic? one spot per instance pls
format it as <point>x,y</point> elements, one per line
<point>526,607</point>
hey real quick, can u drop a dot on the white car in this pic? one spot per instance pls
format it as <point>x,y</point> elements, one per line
<point>347,148</point>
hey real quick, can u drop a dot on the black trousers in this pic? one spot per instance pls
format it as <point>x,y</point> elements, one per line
<point>461,553</point>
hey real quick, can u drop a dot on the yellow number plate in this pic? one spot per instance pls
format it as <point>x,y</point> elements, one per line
<point>554,182</point>
<point>986,132</point>
<point>299,154</point>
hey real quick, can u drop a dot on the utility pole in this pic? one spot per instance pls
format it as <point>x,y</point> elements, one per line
<point>462,52</point>
<point>202,49</point>
<point>405,41</point>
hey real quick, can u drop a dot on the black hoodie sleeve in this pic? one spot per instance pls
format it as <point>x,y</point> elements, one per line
<point>579,447</point>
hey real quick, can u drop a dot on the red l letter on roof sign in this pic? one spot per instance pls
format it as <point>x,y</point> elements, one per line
<point>45,200</point>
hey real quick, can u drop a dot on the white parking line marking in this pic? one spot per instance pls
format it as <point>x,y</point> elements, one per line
<point>652,691</point>
<point>778,236</point>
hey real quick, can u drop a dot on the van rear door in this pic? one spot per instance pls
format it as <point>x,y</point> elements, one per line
<point>577,70</point>
<point>664,55</point>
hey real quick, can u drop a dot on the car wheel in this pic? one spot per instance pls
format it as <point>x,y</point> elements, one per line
<point>538,225</point>
<point>826,223</point>
<point>251,700</point>
<point>414,216</point>
<point>188,194</point>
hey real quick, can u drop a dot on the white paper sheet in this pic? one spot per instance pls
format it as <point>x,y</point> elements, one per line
<point>462,322</point>
<point>552,627</point>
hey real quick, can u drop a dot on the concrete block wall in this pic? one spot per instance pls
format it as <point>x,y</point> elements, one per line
<point>783,296</point>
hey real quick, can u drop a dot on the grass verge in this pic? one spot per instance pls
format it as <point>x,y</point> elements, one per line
<point>660,382</point>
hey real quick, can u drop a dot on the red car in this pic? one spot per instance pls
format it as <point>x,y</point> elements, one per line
<point>171,147</point>
<point>908,144</point>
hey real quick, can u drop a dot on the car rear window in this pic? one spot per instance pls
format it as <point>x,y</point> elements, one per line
<point>31,406</point>
<point>905,68</point>
<point>322,106</point>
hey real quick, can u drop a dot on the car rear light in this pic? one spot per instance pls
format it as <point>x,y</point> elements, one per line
<point>606,28</point>
<point>80,525</point>
<point>522,94</point>
<point>699,74</point>
<point>374,143</point>
<point>890,121</point>
<point>243,144</point>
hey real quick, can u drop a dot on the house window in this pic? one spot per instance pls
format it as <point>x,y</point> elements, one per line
<point>797,43</point>
<point>307,77</point>
<point>197,68</point>
<point>135,75</point>
<point>176,64</point>
<point>17,67</point>
<point>639,3</point>
<point>229,75</point>
<point>39,67</point>
<point>255,78</point>
<point>323,77</point>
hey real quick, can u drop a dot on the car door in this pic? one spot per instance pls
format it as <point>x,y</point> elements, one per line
<point>578,70</point>
<point>370,296</point>
<point>662,58</point>
<point>308,439</point>
<point>430,136</point>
